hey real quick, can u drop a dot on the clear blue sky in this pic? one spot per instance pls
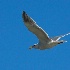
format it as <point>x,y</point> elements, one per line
<point>52,15</point>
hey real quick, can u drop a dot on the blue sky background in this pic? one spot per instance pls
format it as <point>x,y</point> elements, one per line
<point>52,15</point>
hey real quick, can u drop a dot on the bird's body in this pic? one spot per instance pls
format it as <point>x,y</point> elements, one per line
<point>45,45</point>
<point>44,41</point>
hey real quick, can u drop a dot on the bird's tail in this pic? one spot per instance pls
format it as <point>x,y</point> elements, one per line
<point>58,37</point>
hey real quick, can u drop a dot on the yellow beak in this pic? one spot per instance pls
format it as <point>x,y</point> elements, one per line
<point>30,47</point>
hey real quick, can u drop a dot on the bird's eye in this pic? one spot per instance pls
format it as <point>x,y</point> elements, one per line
<point>34,45</point>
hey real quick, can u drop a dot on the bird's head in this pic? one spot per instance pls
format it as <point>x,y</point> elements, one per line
<point>34,46</point>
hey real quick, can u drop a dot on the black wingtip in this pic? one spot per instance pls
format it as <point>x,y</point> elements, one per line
<point>25,16</point>
<point>24,12</point>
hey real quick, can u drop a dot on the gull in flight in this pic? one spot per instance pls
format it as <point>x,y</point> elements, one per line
<point>44,41</point>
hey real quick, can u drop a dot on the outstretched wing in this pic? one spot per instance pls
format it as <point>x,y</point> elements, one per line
<point>58,37</point>
<point>34,28</point>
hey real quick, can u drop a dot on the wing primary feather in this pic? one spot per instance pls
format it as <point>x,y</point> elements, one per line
<point>34,28</point>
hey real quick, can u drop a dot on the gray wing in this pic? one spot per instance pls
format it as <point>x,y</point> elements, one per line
<point>34,28</point>
<point>58,37</point>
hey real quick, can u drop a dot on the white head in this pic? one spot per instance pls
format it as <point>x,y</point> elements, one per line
<point>34,46</point>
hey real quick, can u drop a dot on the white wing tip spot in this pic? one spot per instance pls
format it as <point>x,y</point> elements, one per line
<point>65,41</point>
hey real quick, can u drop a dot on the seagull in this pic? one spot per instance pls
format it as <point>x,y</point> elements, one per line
<point>44,41</point>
